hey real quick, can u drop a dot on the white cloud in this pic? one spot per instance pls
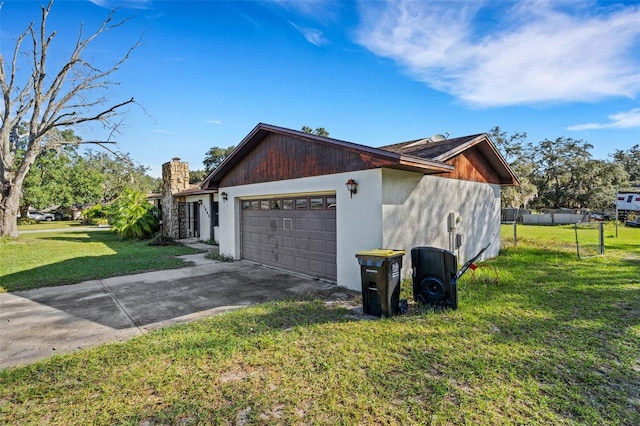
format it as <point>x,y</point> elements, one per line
<point>312,35</point>
<point>621,120</point>
<point>320,10</point>
<point>495,54</point>
<point>133,4</point>
<point>165,132</point>
<point>214,121</point>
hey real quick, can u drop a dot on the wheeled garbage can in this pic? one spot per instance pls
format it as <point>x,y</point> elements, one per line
<point>380,275</point>
<point>434,276</point>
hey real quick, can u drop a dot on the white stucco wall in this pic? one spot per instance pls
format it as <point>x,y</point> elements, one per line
<point>392,209</point>
<point>358,219</point>
<point>204,214</point>
<point>415,211</point>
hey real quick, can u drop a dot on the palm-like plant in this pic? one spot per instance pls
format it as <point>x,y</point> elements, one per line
<point>134,216</point>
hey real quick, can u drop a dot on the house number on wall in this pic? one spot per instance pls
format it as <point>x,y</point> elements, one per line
<point>395,270</point>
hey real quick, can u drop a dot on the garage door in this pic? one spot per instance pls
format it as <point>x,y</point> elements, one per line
<point>294,233</point>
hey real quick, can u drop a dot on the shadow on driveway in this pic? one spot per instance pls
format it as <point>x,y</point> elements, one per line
<point>42,322</point>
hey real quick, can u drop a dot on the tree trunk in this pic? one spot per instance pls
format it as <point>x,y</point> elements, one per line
<point>9,213</point>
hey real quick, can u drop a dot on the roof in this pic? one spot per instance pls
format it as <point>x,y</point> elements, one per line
<point>420,155</point>
<point>427,148</point>
<point>194,189</point>
<point>444,150</point>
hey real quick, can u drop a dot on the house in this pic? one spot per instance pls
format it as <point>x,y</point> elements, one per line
<point>308,203</point>
<point>188,211</point>
<point>627,203</point>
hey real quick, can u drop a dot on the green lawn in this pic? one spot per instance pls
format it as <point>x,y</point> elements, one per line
<point>43,259</point>
<point>555,340</point>
<point>56,224</point>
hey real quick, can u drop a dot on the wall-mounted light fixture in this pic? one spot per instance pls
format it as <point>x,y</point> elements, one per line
<point>352,187</point>
<point>224,196</point>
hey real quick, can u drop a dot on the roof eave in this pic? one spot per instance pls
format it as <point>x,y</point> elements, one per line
<point>423,165</point>
<point>460,149</point>
<point>195,192</point>
<point>220,170</point>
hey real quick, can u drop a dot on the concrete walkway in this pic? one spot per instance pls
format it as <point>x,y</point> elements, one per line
<point>43,322</point>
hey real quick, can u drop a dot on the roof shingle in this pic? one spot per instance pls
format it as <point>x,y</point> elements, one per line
<point>426,148</point>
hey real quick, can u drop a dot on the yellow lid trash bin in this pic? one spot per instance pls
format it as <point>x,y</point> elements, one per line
<point>380,273</point>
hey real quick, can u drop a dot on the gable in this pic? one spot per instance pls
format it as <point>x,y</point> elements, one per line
<point>281,156</point>
<point>473,157</point>
<point>472,165</point>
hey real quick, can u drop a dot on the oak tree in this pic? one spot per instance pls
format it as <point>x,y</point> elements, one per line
<point>215,156</point>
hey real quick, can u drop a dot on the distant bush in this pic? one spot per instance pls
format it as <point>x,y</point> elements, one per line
<point>93,215</point>
<point>26,221</point>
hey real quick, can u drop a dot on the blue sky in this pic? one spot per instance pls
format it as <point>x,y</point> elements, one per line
<point>371,72</point>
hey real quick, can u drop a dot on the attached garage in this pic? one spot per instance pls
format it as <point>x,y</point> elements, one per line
<point>288,200</point>
<point>297,233</point>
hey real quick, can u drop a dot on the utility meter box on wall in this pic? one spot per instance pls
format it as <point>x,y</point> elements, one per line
<point>454,221</point>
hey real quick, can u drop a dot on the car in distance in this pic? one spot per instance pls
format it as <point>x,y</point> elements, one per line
<point>39,216</point>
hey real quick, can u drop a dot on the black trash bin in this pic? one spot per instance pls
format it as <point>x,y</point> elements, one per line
<point>434,276</point>
<point>380,276</point>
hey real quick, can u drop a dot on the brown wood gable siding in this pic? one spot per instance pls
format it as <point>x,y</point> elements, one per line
<point>471,165</point>
<point>280,157</point>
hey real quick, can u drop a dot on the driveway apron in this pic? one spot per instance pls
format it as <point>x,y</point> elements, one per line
<point>39,323</point>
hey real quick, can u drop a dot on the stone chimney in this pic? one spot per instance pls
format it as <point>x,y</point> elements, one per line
<point>175,179</point>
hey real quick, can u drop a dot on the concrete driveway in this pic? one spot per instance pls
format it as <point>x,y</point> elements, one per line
<point>43,322</point>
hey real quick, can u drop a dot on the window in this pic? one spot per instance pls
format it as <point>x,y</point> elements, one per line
<point>302,204</point>
<point>317,203</point>
<point>331,203</point>
<point>287,204</point>
<point>216,212</point>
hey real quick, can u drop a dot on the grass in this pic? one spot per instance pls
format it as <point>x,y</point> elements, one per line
<point>45,259</point>
<point>56,224</point>
<point>555,340</point>
<point>219,257</point>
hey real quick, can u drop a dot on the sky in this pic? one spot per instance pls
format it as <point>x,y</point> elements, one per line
<point>371,72</point>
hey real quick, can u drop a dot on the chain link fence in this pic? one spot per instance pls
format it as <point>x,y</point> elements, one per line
<point>589,239</point>
<point>586,239</point>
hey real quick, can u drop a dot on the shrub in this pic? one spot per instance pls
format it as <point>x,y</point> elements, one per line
<point>92,215</point>
<point>163,240</point>
<point>134,216</point>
